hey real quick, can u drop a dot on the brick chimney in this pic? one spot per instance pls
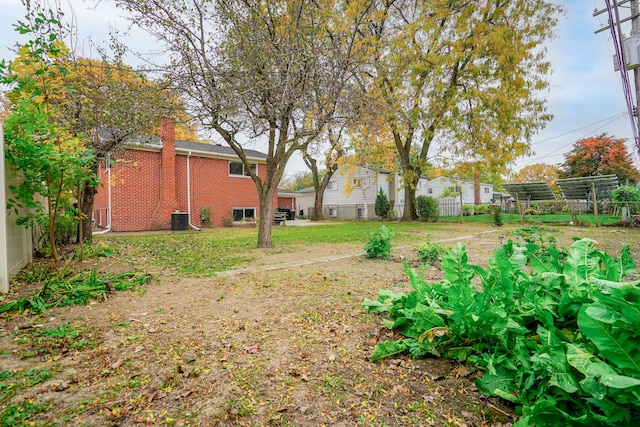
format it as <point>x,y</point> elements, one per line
<point>161,219</point>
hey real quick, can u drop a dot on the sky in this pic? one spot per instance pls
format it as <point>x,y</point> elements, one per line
<point>585,95</point>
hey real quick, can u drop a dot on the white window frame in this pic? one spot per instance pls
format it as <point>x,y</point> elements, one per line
<point>333,211</point>
<point>244,218</point>
<point>331,185</point>
<point>245,173</point>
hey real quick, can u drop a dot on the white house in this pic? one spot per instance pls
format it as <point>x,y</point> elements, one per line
<point>351,193</point>
<point>441,185</point>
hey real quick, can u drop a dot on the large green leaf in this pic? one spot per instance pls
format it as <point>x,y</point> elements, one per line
<point>389,348</point>
<point>547,413</point>
<point>455,266</point>
<point>592,367</point>
<point>582,262</point>
<point>618,346</point>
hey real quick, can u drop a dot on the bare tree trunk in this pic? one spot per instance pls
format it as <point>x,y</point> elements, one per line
<point>265,220</point>
<point>409,213</point>
<point>318,215</point>
<point>85,208</point>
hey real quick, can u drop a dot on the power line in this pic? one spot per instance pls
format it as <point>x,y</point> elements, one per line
<point>536,159</point>
<point>616,116</point>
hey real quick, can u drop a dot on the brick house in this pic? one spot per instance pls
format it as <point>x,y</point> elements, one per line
<point>152,181</point>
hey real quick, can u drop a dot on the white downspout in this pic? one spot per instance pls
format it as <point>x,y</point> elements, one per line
<point>108,166</point>
<point>189,191</point>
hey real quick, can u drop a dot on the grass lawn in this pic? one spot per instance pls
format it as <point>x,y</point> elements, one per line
<point>203,254</point>
<point>514,218</point>
<point>289,346</point>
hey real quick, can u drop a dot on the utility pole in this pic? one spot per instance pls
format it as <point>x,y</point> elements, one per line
<point>626,46</point>
<point>635,30</point>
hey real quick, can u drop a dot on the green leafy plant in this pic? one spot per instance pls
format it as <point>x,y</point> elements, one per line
<point>205,216</point>
<point>382,205</point>
<point>80,289</point>
<point>429,253</point>
<point>426,208</point>
<point>379,244</point>
<point>628,195</point>
<point>558,338</point>
<point>497,216</point>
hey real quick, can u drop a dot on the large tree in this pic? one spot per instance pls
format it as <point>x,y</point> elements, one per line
<point>600,155</point>
<point>462,75</point>
<point>111,103</point>
<point>49,155</point>
<point>251,71</point>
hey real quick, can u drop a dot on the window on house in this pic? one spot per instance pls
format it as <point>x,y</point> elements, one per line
<point>331,185</point>
<point>431,191</point>
<point>356,183</point>
<point>486,190</point>
<point>238,169</point>
<point>360,212</point>
<point>244,214</point>
<point>333,211</point>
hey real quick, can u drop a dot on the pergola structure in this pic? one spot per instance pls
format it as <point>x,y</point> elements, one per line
<point>531,191</point>
<point>528,192</point>
<point>589,188</point>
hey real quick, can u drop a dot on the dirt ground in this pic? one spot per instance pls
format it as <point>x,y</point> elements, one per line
<point>280,347</point>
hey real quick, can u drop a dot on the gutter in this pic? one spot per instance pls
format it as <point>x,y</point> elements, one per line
<point>189,191</point>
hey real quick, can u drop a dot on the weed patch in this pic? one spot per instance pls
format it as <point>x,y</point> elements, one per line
<point>557,338</point>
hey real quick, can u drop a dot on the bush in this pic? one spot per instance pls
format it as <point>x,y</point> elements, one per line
<point>426,208</point>
<point>379,244</point>
<point>628,193</point>
<point>497,216</point>
<point>382,205</point>
<point>429,253</point>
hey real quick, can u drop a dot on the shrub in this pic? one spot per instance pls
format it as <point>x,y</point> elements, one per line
<point>429,253</point>
<point>628,193</point>
<point>382,205</point>
<point>497,216</point>
<point>379,244</point>
<point>205,216</point>
<point>426,208</point>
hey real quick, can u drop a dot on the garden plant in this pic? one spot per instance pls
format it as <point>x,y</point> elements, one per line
<point>554,332</point>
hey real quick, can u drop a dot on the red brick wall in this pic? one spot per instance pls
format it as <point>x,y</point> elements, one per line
<point>148,186</point>
<point>213,188</point>
<point>286,203</point>
<point>136,193</point>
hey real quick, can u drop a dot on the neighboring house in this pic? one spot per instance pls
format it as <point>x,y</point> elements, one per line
<point>443,185</point>
<point>305,200</point>
<point>15,240</point>
<point>152,182</point>
<point>287,199</point>
<point>359,203</point>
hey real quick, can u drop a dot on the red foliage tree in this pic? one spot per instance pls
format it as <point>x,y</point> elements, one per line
<point>600,155</point>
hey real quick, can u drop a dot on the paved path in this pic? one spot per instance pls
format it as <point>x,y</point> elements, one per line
<point>300,263</point>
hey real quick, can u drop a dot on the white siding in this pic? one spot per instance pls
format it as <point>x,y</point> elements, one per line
<point>440,184</point>
<point>15,241</point>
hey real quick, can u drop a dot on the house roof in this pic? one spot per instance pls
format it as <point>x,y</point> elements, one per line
<point>306,190</point>
<point>221,150</point>
<point>184,147</point>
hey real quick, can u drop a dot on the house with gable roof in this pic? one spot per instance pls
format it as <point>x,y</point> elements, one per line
<point>146,184</point>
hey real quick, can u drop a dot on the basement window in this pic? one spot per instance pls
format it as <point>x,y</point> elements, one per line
<point>241,215</point>
<point>238,169</point>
